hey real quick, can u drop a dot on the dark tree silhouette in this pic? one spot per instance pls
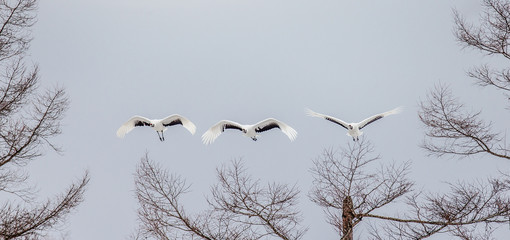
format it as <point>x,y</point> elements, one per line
<point>467,211</point>
<point>240,207</point>
<point>29,118</point>
<point>348,187</point>
<point>451,128</point>
<point>351,190</point>
<point>492,37</point>
<point>346,184</point>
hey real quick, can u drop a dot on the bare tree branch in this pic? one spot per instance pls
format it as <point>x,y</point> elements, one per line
<point>240,207</point>
<point>454,130</point>
<point>16,18</point>
<point>17,87</point>
<point>271,207</point>
<point>492,36</point>
<point>345,177</point>
<point>488,77</point>
<point>19,221</point>
<point>28,121</point>
<point>158,194</point>
<point>458,212</point>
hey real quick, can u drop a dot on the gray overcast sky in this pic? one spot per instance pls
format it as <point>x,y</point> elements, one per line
<point>245,60</point>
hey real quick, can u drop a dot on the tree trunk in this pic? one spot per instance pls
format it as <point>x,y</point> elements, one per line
<point>347,217</point>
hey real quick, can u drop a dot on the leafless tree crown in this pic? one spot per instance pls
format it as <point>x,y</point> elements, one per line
<point>350,190</point>
<point>467,211</point>
<point>19,221</point>
<point>452,129</point>
<point>16,16</point>
<point>491,36</point>
<point>240,208</point>
<point>29,118</point>
<point>347,178</point>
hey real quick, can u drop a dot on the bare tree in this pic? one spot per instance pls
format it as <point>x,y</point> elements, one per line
<point>29,118</point>
<point>23,222</point>
<point>467,211</point>
<point>451,128</point>
<point>349,188</point>
<point>17,16</point>
<point>346,184</point>
<point>240,207</point>
<point>271,207</point>
<point>491,36</point>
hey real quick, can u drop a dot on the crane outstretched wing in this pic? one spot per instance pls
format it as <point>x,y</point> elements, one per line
<point>329,118</point>
<point>178,119</point>
<point>376,117</point>
<point>271,123</point>
<point>136,121</point>
<point>215,131</point>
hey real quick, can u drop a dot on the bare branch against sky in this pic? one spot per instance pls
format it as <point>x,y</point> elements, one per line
<point>240,207</point>
<point>471,210</point>
<point>350,177</point>
<point>450,128</point>
<point>491,36</point>
<point>349,190</point>
<point>29,119</point>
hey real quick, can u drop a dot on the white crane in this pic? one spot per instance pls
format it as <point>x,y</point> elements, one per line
<point>157,124</point>
<point>354,128</point>
<point>248,130</point>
